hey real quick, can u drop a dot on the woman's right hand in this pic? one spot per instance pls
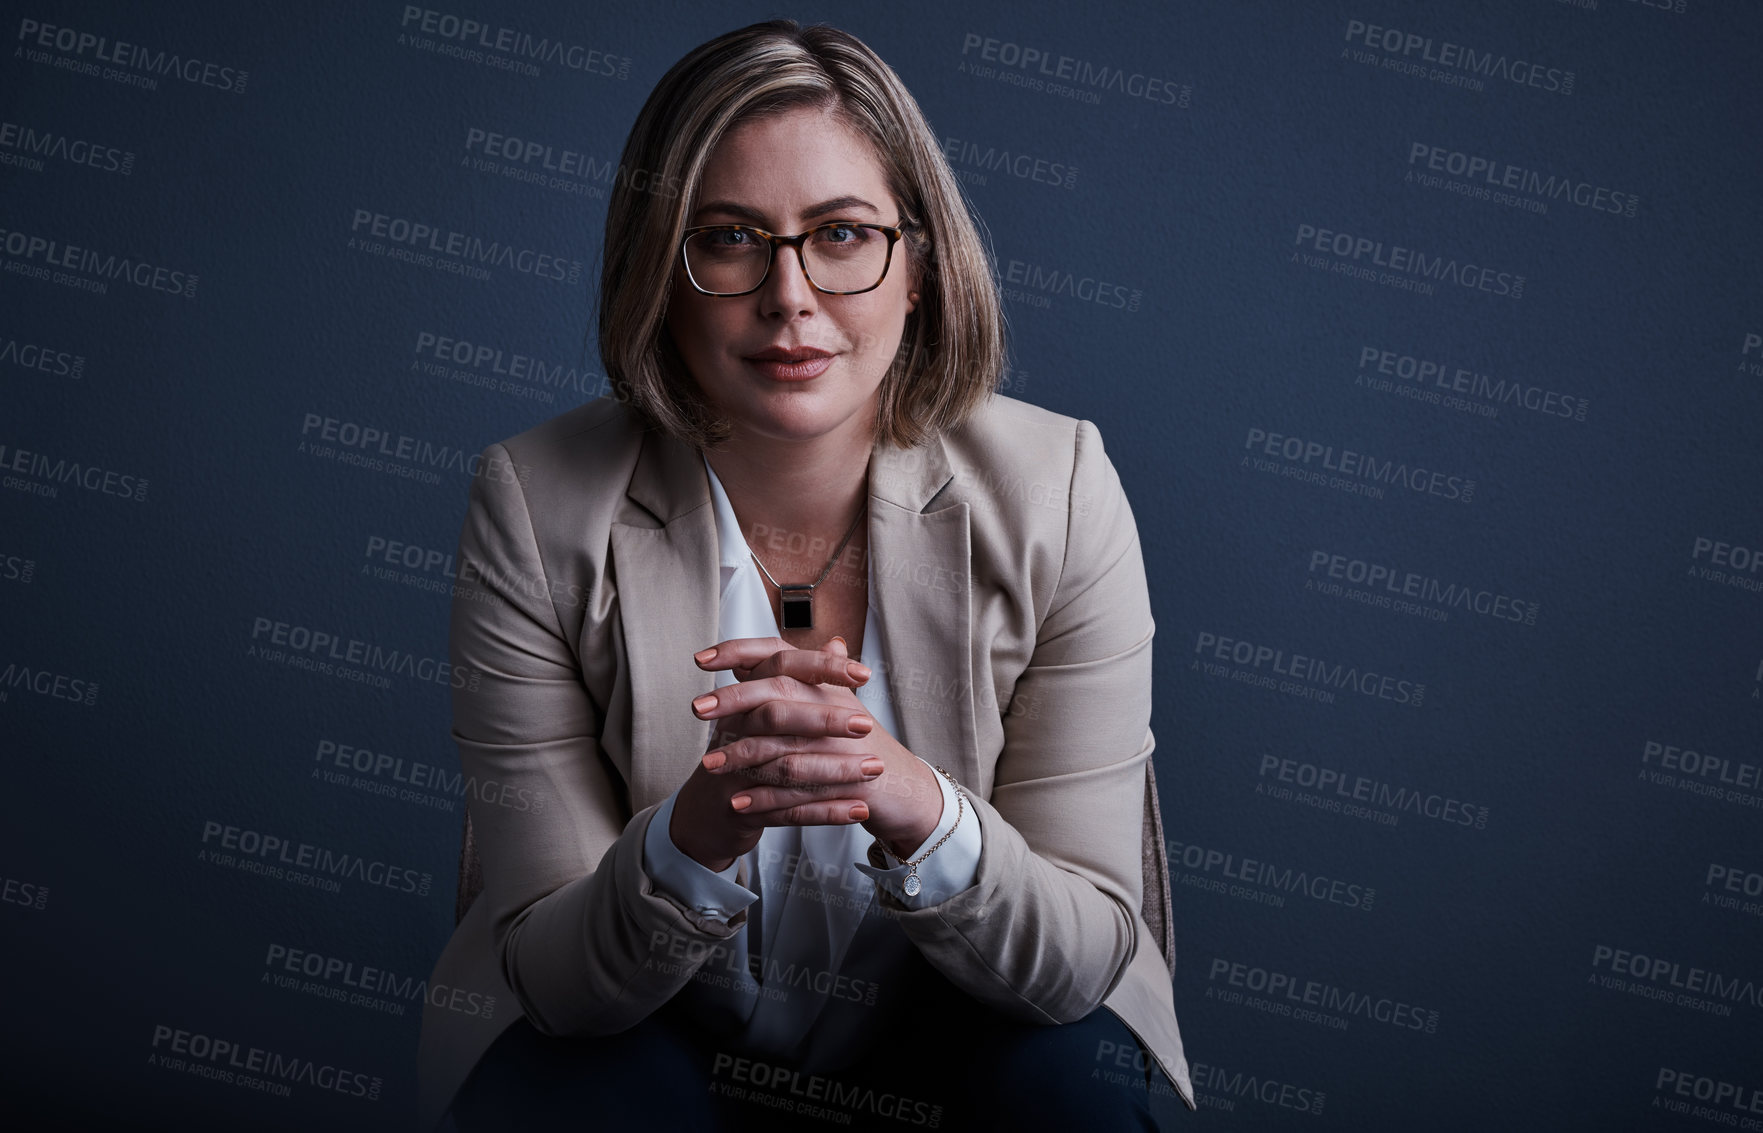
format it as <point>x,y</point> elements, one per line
<point>801,748</point>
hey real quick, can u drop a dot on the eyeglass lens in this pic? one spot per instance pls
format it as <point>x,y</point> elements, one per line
<point>838,258</point>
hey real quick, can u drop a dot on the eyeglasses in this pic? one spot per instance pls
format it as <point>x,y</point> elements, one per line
<point>841,258</point>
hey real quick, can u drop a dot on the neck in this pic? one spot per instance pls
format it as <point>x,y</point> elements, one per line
<point>813,486</point>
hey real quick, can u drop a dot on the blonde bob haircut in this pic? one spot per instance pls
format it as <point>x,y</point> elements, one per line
<point>951,353</point>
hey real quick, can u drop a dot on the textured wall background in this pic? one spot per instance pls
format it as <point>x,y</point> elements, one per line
<point>1427,340</point>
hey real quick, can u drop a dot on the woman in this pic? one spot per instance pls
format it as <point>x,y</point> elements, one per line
<point>826,670</point>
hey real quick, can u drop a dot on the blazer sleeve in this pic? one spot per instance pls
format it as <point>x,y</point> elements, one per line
<point>585,941</point>
<point>1049,925</point>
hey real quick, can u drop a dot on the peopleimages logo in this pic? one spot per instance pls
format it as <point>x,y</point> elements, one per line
<point>1397,584</point>
<point>782,1087</point>
<point>443,355</point>
<point>1455,59</point>
<point>1743,888</point>
<point>47,682</point>
<point>1722,1098</point>
<point>365,985</point>
<point>1690,762</point>
<point>420,241</point>
<point>38,38</point>
<point>1495,175</point>
<point>395,773</point>
<point>17,568</point>
<point>39,474</point>
<point>323,651</point>
<point>1257,1087</point>
<point>551,159</point>
<point>1291,995</point>
<point>1386,368</point>
<point>1042,69</point>
<point>1032,284</point>
<point>1699,988</point>
<point>466,36</point>
<point>273,855</point>
<point>1357,796</point>
<point>232,1062</point>
<point>13,891</point>
<point>1286,880</point>
<point>43,359</point>
<point>26,147</point>
<point>1733,564</point>
<point>351,442</point>
<point>1268,449</point>
<point>1022,166</point>
<point>1263,664</point>
<point>84,269</point>
<point>437,571</point>
<point>1401,263</point>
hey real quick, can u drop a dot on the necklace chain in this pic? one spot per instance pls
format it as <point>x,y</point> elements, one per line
<point>852,530</point>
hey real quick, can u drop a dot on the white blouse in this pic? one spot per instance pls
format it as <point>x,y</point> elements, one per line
<point>805,976</point>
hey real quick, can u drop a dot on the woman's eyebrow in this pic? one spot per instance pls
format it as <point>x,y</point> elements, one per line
<point>753,216</point>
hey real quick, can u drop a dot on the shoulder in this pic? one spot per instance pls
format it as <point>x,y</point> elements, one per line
<point>573,460</point>
<point>564,479</point>
<point>600,434</point>
<point>1028,463</point>
<point>1047,514</point>
<point>1000,419</point>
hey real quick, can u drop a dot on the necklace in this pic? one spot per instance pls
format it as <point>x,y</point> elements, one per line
<point>796,599</point>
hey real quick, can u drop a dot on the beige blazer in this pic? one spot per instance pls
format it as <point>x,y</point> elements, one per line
<point>1010,590</point>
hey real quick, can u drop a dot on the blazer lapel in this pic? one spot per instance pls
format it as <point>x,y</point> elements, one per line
<point>668,604</point>
<point>920,566</point>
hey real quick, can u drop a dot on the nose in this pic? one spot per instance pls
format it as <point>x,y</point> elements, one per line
<point>786,291</point>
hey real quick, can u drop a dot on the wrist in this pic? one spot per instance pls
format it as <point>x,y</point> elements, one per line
<point>905,839</point>
<point>714,865</point>
<point>684,843</point>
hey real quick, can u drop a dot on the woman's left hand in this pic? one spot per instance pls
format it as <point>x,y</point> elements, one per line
<point>905,801</point>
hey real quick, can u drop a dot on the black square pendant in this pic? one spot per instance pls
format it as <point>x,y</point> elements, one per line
<point>797,608</point>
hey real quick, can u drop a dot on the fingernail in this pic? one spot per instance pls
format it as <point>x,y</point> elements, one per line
<point>858,670</point>
<point>872,767</point>
<point>842,642</point>
<point>704,703</point>
<point>859,812</point>
<point>704,656</point>
<point>713,760</point>
<point>862,725</point>
<point>741,802</point>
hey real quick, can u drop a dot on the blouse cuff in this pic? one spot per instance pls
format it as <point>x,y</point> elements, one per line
<point>954,866</point>
<point>690,882</point>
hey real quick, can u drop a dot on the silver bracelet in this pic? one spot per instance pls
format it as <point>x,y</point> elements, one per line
<point>911,885</point>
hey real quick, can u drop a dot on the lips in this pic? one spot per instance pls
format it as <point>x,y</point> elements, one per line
<point>790,363</point>
<point>788,354</point>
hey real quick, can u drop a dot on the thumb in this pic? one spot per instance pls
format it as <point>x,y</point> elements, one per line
<point>837,645</point>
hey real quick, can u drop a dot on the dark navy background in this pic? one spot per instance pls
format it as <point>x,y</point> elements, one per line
<point>1194,207</point>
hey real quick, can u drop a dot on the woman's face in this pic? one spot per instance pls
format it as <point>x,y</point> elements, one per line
<point>786,173</point>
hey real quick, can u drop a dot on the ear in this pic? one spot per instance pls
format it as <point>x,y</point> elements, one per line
<point>914,280</point>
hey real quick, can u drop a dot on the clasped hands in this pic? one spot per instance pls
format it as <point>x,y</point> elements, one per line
<point>793,746</point>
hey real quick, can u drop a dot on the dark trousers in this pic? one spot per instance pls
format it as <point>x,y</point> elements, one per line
<point>953,1064</point>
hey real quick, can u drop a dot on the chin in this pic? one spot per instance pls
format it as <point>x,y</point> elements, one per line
<point>800,416</point>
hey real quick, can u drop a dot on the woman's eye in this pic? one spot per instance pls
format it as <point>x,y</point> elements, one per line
<point>730,239</point>
<point>843,236</point>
